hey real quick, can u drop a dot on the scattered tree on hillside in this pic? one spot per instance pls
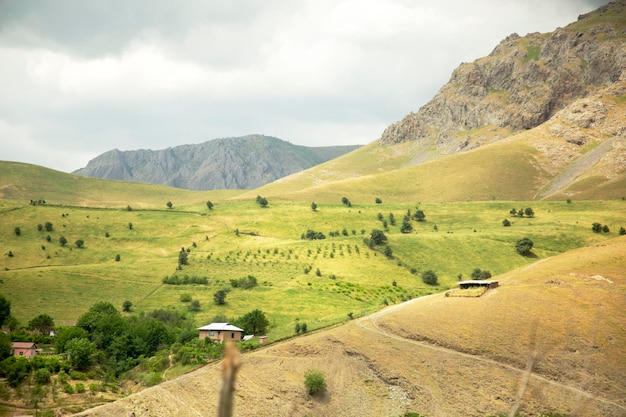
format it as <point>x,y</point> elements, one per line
<point>126,306</point>
<point>388,252</point>
<point>378,201</point>
<point>406,226</point>
<point>5,309</point>
<point>313,235</point>
<point>346,202</point>
<point>377,237</point>
<point>506,223</point>
<point>419,215</point>
<point>130,226</point>
<point>622,231</point>
<point>18,231</point>
<point>41,324</point>
<point>79,243</point>
<point>513,212</point>
<point>195,305</point>
<point>596,227</point>
<point>118,258</point>
<point>220,297</point>
<point>261,201</point>
<point>40,227</point>
<point>392,219</point>
<point>209,205</point>
<point>254,322</point>
<point>313,206</point>
<point>429,277</point>
<point>529,212</point>
<point>524,246</point>
<point>182,257</point>
<point>169,204</point>
<point>48,227</point>
<point>62,240</point>
<point>605,229</point>
<point>477,273</point>
<point>129,208</point>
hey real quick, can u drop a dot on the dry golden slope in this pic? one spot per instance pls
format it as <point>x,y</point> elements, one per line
<point>550,338</point>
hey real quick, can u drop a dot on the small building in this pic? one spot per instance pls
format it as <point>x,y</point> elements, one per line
<point>25,349</point>
<point>221,332</point>
<point>474,283</point>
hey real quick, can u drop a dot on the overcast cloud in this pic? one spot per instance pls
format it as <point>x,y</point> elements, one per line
<point>79,78</point>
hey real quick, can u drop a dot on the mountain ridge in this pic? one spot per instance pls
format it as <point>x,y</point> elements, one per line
<point>245,162</point>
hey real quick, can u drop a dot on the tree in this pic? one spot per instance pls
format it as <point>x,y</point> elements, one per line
<point>117,257</point>
<point>80,351</point>
<point>220,297</point>
<point>622,231</point>
<point>130,226</point>
<point>303,327</point>
<point>18,231</point>
<point>194,305</point>
<point>406,226</point>
<point>48,227</point>
<point>596,227</point>
<point>313,206</point>
<point>5,309</point>
<point>169,204</point>
<point>129,208</point>
<point>378,201</point>
<point>605,228</point>
<point>377,237</point>
<point>419,215</point>
<point>392,219</point>
<point>388,252</point>
<point>261,201</point>
<point>67,333</point>
<point>182,257</point>
<point>345,201</point>
<point>477,273</point>
<point>40,227</point>
<point>126,306</point>
<point>429,277</point>
<point>209,205</point>
<point>314,382</point>
<point>255,322</point>
<point>62,240</point>
<point>524,246</point>
<point>297,328</point>
<point>42,324</point>
<point>513,212</point>
<point>506,223</point>
<point>529,212</point>
<point>79,243</point>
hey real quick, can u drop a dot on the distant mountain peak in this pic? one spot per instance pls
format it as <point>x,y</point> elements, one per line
<point>245,162</point>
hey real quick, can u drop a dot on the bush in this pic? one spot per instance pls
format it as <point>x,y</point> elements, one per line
<point>314,382</point>
<point>80,387</point>
<point>42,376</point>
<point>429,277</point>
<point>506,223</point>
<point>185,298</point>
<point>524,246</point>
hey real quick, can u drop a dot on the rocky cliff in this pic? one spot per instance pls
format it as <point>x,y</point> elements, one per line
<point>234,163</point>
<point>520,85</point>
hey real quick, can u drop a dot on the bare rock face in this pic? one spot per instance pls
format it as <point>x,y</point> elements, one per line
<point>233,163</point>
<point>522,83</point>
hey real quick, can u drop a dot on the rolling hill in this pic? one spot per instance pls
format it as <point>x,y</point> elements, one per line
<point>549,339</point>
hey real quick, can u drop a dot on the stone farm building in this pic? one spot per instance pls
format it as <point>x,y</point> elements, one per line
<point>221,332</point>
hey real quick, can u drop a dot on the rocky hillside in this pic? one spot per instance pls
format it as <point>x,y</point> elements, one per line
<point>234,163</point>
<point>520,85</point>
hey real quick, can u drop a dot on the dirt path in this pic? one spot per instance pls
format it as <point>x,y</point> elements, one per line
<point>370,323</point>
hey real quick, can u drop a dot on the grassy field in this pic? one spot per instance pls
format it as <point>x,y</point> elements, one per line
<point>239,238</point>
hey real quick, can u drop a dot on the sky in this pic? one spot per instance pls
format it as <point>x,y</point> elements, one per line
<point>79,78</point>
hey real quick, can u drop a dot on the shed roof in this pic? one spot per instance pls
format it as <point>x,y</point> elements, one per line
<point>225,327</point>
<point>23,345</point>
<point>479,282</point>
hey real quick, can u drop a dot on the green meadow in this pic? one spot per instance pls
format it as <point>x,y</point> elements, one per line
<point>239,238</point>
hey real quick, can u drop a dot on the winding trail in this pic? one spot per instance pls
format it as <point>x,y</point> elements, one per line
<point>370,323</point>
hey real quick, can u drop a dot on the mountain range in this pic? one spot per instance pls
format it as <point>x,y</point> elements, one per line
<point>246,162</point>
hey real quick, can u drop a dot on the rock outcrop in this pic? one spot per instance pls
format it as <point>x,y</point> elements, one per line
<point>521,84</point>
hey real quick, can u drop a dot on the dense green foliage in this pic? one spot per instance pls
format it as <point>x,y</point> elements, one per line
<point>314,382</point>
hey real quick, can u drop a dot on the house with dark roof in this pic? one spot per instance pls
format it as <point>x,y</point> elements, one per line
<point>25,349</point>
<point>221,332</point>
<point>475,283</point>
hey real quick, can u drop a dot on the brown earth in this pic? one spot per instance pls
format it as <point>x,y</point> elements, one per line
<point>549,339</point>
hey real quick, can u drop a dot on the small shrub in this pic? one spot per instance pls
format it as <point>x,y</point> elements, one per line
<point>314,382</point>
<point>524,246</point>
<point>506,223</point>
<point>117,257</point>
<point>80,387</point>
<point>185,298</point>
